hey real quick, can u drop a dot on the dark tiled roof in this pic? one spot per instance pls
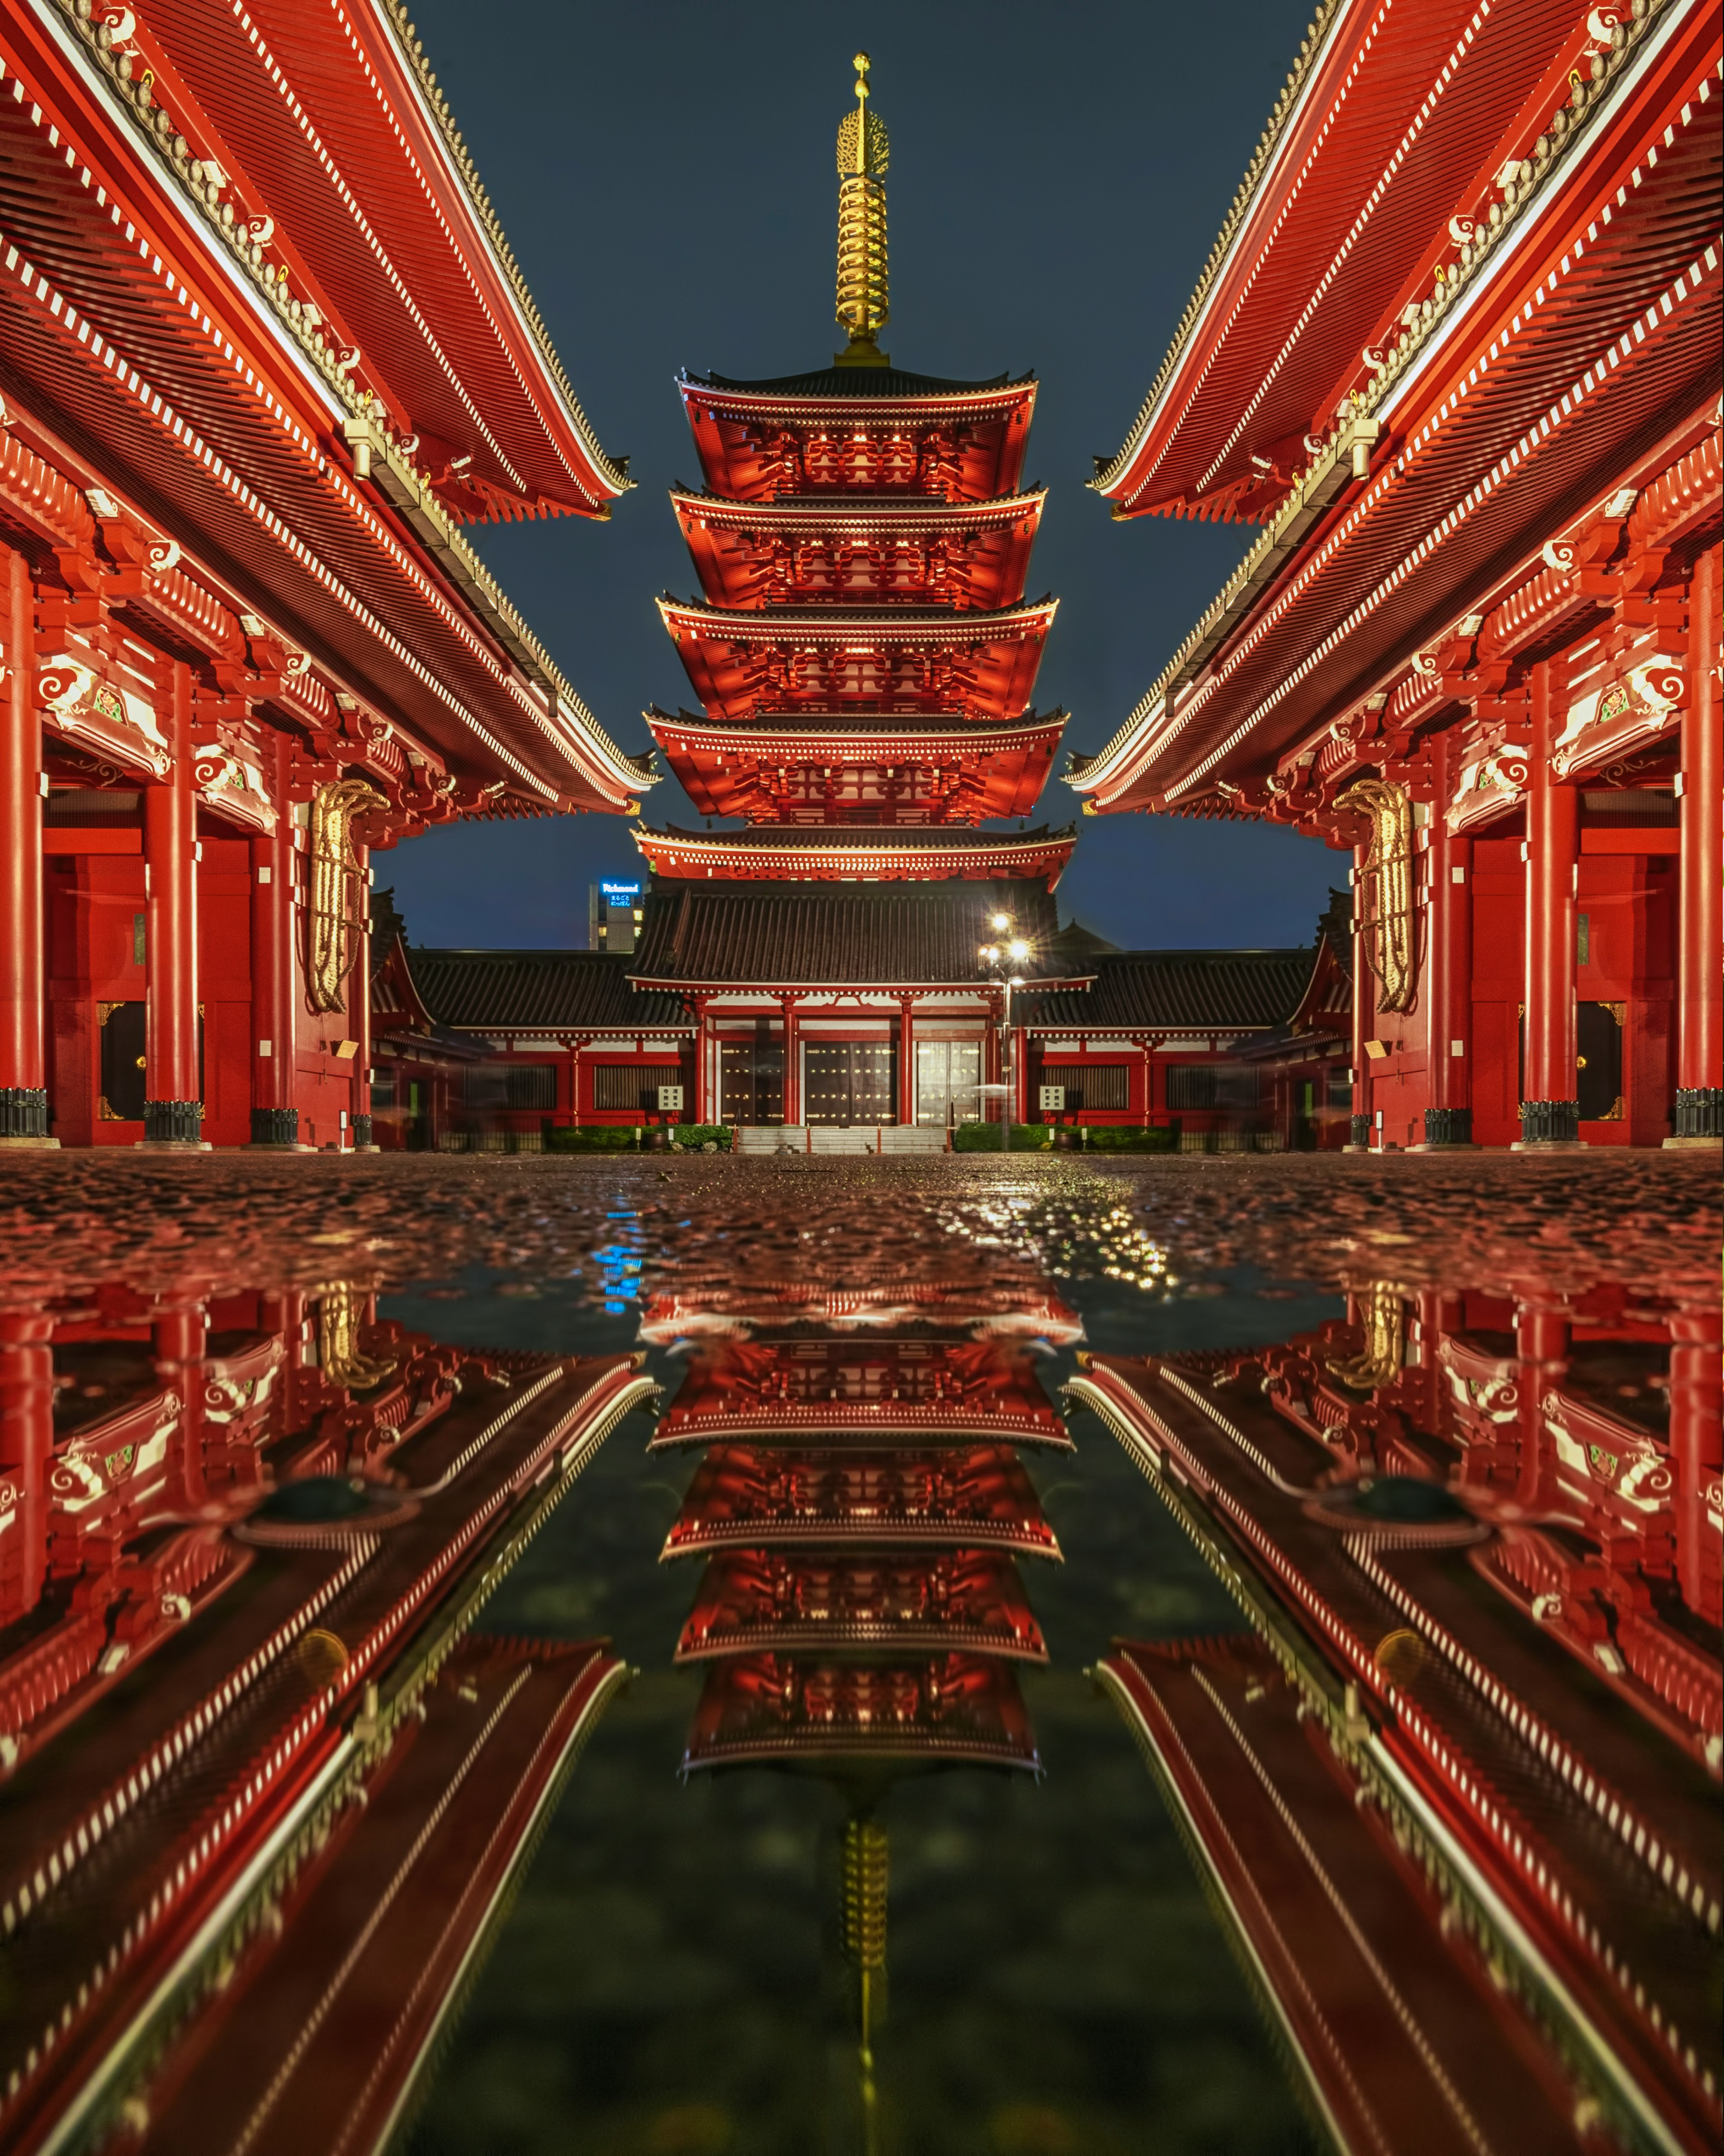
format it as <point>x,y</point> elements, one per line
<point>847,935</point>
<point>539,990</point>
<point>1206,990</point>
<point>855,381</point>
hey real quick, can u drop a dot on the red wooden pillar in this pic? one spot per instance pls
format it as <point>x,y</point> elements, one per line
<point>173,1103</point>
<point>1448,977</point>
<point>23,1078</point>
<point>1359,1138</point>
<point>1697,1455</point>
<point>26,1454</point>
<point>1700,1048</point>
<point>1550,1108</point>
<point>703,1050</point>
<point>906,1062</point>
<point>274,999</point>
<point>359,1010</point>
<point>792,1060</point>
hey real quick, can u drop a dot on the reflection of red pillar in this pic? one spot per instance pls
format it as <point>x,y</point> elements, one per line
<point>177,1336</point>
<point>173,1107</point>
<point>1697,1455</point>
<point>26,1450</point>
<point>906,1062</point>
<point>1448,976</point>
<point>23,1082</point>
<point>1360,1139</point>
<point>274,1121</point>
<point>1550,1112</point>
<point>359,1009</point>
<point>1542,1353</point>
<point>1700,1048</point>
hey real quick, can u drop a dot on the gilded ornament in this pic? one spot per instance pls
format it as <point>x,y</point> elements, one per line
<point>339,899</point>
<point>1386,897</point>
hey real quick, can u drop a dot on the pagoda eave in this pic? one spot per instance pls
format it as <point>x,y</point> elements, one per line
<point>769,857</point>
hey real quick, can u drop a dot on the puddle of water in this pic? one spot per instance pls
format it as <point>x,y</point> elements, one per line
<point>828,1655</point>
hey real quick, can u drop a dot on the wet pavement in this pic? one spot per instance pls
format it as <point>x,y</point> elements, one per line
<point>1012,1534</point>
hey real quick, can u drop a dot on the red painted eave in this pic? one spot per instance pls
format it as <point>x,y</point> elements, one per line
<point>325,122</point>
<point>1398,123</point>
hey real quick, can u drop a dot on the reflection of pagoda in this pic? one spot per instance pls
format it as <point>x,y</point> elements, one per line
<point>864,659</point>
<point>264,1788</point>
<point>861,1507</point>
<point>1459,1798</point>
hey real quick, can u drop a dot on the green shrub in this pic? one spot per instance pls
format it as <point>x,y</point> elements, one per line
<point>692,1136</point>
<point>600,1137</point>
<point>985,1137</point>
<point>1122,1137</point>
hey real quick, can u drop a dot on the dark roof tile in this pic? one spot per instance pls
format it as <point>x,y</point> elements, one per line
<point>1210,990</point>
<point>849,935</point>
<point>539,990</point>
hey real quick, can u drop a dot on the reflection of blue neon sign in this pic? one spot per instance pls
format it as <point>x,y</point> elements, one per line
<point>620,890</point>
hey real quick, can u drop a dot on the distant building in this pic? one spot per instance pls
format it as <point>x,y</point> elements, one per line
<point>612,915</point>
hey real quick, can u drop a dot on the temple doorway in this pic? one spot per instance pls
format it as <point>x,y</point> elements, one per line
<point>850,1081</point>
<point>947,1075</point>
<point>751,1079</point>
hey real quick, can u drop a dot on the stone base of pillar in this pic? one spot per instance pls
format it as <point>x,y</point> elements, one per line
<point>24,1115</point>
<point>175,1124</point>
<point>1546,1124</point>
<point>1699,1116</point>
<point>276,1130</point>
<point>1447,1130</point>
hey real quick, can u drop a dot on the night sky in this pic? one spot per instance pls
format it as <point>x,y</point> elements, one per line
<point>665,175</point>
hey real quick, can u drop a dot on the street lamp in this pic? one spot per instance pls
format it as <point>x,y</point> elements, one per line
<point>1002,963</point>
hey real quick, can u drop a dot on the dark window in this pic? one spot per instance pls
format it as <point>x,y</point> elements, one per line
<point>1091,1085</point>
<point>1340,1089</point>
<point>632,1086</point>
<point>529,1085</point>
<point>1211,1086</point>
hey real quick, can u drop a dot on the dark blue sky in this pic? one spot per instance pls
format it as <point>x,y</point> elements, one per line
<point>1058,172</point>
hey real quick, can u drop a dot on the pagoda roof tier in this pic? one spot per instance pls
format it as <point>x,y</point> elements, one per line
<point>849,549</point>
<point>781,1391</point>
<point>860,854</point>
<point>745,934</point>
<point>974,1497</point>
<point>329,122</point>
<point>833,768</point>
<point>859,430</point>
<point>1388,125</point>
<point>1571,357</point>
<point>946,1710</point>
<point>900,1602</point>
<point>973,666</point>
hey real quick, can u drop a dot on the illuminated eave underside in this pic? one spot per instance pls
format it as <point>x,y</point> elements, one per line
<point>1485,466</point>
<point>1389,124</point>
<point>860,514</point>
<point>122,315</point>
<point>332,123</point>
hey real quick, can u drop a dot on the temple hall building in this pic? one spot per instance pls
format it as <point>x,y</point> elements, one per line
<point>1456,351</point>
<point>265,354</point>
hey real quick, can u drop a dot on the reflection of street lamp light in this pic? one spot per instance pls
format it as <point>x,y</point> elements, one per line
<point>1003,965</point>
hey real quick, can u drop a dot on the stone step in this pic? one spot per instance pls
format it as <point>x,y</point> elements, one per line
<point>828,1137</point>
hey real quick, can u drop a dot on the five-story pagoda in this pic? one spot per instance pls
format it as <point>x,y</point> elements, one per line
<point>864,660</point>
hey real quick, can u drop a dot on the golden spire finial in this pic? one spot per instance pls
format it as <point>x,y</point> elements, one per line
<point>862,286</point>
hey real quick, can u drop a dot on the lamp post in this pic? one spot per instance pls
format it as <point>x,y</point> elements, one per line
<point>1002,962</point>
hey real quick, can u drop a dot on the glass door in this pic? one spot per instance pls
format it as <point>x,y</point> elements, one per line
<point>947,1073</point>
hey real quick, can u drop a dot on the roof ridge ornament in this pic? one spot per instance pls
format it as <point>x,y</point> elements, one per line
<point>862,275</point>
